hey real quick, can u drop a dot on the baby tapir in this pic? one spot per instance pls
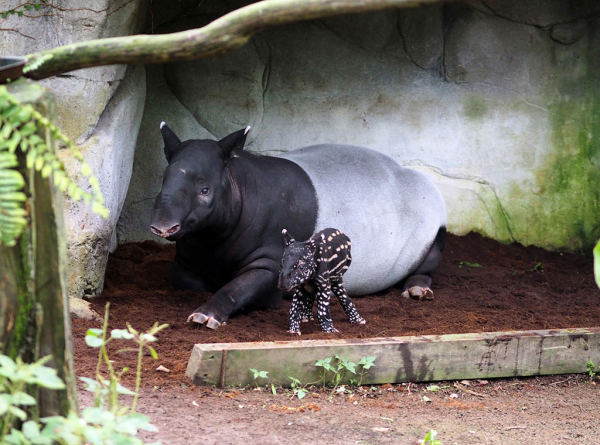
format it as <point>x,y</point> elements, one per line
<point>314,268</point>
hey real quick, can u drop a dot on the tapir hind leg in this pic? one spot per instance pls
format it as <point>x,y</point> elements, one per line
<point>418,285</point>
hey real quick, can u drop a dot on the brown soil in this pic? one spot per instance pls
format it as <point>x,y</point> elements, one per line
<point>516,288</point>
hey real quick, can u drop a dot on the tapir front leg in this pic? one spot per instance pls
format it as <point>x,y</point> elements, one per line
<point>254,288</point>
<point>298,309</point>
<point>323,298</point>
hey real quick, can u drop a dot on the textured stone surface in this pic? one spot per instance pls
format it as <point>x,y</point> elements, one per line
<point>422,32</point>
<point>543,13</point>
<point>80,95</point>
<point>109,152</point>
<point>239,75</point>
<point>497,102</point>
<point>98,108</point>
<point>569,32</point>
<point>150,162</point>
<point>484,48</point>
<point>79,308</point>
<point>372,30</point>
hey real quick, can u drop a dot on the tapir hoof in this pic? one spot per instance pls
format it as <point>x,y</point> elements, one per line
<point>212,323</point>
<point>418,293</point>
<point>331,330</point>
<point>200,318</point>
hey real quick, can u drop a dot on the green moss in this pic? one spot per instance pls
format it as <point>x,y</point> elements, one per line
<point>571,182</point>
<point>475,107</point>
<point>20,336</point>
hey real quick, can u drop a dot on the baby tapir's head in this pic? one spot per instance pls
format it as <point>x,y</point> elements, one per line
<point>298,263</point>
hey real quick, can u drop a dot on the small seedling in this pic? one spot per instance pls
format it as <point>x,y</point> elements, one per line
<point>430,438</point>
<point>340,367</point>
<point>366,363</point>
<point>539,267</point>
<point>298,388</point>
<point>469,265</point>
<point>259,375</point>
<point>591,368</point>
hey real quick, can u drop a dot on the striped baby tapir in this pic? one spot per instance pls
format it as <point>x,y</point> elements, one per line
<point>313,269</point>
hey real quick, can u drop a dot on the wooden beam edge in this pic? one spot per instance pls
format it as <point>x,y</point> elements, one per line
<point>401,359</point>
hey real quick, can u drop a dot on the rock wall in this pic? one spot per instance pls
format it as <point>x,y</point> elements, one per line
<point>497,102</point>
<point>99,108</point>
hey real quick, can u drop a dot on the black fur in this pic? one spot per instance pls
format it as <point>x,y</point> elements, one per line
<point>314,270</point>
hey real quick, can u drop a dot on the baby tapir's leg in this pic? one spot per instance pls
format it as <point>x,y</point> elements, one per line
<point>307,306</point>
<point>337,287</point>
<point>298,308</point>
<point>323,298</point>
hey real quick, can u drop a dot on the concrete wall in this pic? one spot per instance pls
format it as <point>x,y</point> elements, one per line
<point>497,102</point>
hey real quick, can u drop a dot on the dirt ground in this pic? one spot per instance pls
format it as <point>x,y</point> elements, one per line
<point>481,286</point>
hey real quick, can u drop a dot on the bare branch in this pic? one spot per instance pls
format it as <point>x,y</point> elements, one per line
<point>223,35</point>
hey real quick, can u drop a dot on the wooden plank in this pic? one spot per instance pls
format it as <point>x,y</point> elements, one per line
<point>402,359</point>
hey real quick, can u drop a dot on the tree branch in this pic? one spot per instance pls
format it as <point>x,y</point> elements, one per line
<point>223,35</point>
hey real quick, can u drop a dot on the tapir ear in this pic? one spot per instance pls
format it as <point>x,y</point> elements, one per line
<point>171,140</point>
<point>234,142</point>
<point>287,238</point>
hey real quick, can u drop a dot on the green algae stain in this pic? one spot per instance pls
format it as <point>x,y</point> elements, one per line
<point>571,181</point>
<point>475,107</point>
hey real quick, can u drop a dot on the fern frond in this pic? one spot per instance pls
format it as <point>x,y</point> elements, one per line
<point>19,127</point>
<point>12,213</point>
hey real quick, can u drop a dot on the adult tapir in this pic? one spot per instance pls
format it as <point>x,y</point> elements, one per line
<point>225,208</point>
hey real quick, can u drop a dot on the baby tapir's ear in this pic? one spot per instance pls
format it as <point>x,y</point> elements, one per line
<point>170,139</point>
<point>234,142</point>
<point>287,238</point>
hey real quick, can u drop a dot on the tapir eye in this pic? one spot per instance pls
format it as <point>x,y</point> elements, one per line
<point>204,191</point>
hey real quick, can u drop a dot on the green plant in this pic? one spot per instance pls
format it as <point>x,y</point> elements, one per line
<point>539,267</point>
<point>108,390</point>
<point>19,127</point>
<point>21,9</point>
<point>341,367</point>
<point>299,390</point>
<point>365,364</point>
<point>469,265</point>
<point>15,376</point>
<point>98,426</point>
<point>591,368</point>
<point>430,438</point>
<point>259,375</point>
<point>597,263</point>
